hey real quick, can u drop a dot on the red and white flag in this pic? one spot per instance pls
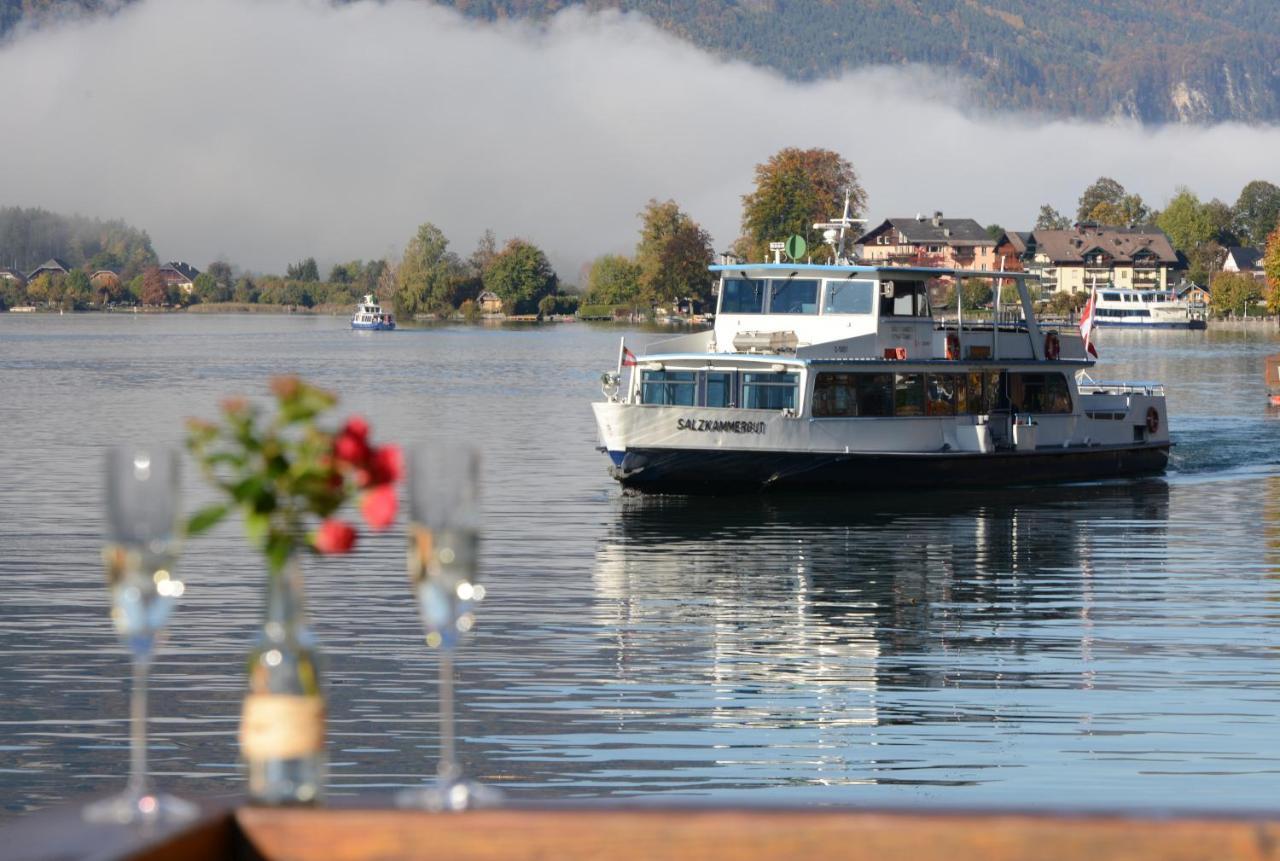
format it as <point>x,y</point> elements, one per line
<point>626,358</point>
<point>1086,324</point>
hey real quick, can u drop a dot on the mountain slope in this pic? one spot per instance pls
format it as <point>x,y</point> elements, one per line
<point>1157,61</point>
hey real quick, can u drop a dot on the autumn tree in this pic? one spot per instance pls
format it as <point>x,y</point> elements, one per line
<point>1257,212</point>
<point>613,280</point>
<point>429,274</point>
<point>1051,219</point>
<point>672,255</point>
<point>1234,293</point>
<point>1271,267</point>
<point>521,275</point>
<point>1107,202</point>
<point>154,290</point>
<point>794,190</point>
<point>76,292</point>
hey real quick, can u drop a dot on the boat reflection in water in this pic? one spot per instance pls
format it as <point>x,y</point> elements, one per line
<point>844,640</point>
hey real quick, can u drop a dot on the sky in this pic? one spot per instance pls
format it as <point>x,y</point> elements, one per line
<point>265,131</point>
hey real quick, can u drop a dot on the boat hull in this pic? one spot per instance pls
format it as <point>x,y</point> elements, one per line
<point>373,327</point>
<point>1184,324</point>
<point>670,470</point>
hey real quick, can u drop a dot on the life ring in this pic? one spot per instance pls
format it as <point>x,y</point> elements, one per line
<point>1052,346</point>
<point>1153,420</point>
<point>953,346</point>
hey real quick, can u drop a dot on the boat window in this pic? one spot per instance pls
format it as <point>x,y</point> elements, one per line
<point>793,297</point>
<point>678,388</point>
<point>742,296</point>
<point>719,389</point>
<point>908,394</point>
<point>1111,297</point>
<point>944,394</point>
<point>1039,393</point>
<point>982,392</point>
<point>901,298</point>
<point>850,297</point>
<point>850,395</point>
<point>769,391</point>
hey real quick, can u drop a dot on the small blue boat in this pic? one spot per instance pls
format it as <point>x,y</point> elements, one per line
<point>369,315</point>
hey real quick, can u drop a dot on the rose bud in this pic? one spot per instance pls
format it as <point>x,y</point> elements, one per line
<point>351,449</point>
<point>356,427</point>
<point>379,506</point>
<point>387,465</point>
<point>334,536</point>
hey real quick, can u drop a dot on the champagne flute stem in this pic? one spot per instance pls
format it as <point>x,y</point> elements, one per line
<point>138,726</point>
<point>448,769</point>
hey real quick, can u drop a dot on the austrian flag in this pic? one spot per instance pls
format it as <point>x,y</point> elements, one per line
<point>1086,324</point>
<point>628,358</point>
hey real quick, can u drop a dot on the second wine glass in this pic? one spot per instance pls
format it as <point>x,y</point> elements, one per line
<point>444,540</point>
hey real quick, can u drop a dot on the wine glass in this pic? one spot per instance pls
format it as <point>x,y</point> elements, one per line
<point>142,546</point>
<point>444,538</point>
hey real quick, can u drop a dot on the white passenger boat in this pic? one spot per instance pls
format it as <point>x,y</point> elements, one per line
<point>838,376</point>
<point>369,315</point>
<point>1151,309</point>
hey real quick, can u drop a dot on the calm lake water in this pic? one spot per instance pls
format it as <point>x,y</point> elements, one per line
<point>1096,646</point>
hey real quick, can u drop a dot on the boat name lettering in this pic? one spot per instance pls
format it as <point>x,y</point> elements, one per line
<point>719,426</point>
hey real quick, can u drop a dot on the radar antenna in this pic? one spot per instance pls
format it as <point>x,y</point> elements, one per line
<point>833,232</point>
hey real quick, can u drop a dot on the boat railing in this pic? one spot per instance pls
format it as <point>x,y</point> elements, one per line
<point>1089,386</point>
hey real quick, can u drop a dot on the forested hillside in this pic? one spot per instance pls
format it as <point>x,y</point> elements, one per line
<point>29,237</point>
<point>1159,61</point>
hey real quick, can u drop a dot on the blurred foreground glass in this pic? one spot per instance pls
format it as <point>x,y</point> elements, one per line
<point>141,549</point>
<point>444,538</point>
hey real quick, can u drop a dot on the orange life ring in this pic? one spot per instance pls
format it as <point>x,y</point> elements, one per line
<point>1153,420</point>
<point>1052,346</point>
<point>953,345</point>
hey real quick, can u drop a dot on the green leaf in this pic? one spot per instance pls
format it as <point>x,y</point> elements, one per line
<point>255,527</point>
<point>205,519</point>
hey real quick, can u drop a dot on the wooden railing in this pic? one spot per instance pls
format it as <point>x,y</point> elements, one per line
<point>275,834</point>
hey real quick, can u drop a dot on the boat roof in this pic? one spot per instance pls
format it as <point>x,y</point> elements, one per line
<point>852,268</point>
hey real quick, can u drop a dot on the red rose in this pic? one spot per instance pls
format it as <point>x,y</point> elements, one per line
<point>334,536</point>
<point>350,450</point>
<point>386,466</point>
<point>379,506</point>
<point>356,427</point>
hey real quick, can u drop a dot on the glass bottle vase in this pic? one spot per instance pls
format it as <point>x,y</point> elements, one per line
<point>282,726</point>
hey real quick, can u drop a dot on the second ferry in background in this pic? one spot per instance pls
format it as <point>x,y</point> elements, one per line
<point>370,316</point>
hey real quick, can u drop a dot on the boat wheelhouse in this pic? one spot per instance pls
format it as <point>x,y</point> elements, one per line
<point>840,376</point>
<point>369,315</point>
<point>1151,309</point>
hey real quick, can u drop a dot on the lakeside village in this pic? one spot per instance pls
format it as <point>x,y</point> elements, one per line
<point>1215,260</point>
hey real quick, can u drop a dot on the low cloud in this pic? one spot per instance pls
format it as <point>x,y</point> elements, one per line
<point>266,132</point>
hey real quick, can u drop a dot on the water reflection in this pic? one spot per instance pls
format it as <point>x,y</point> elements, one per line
<point>808,617</point>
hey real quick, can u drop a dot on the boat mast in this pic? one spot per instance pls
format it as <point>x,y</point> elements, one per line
<point>833,232</point>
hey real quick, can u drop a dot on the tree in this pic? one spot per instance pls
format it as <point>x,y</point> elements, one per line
<point>521,275</point>
<point>76,292</point>
<point>547,305</point>
<point>486,250</point>
<point>672,255</point>
<point>794,190</point>
<point>613,280</point>
<point>429,274</point>
<point>1271,264</point>
<point>39,288</point>
<point>305,270</point>
<point>220,272</point>
<point>1198,230</point>
<point>245,290</point>
<point>1106,202</point>
<point>1051,219</point>
<point>1234,293</point>
<point>995,231</point>
<point>154,290</point>
<point>1257,212</point>
<point>208,289</point>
